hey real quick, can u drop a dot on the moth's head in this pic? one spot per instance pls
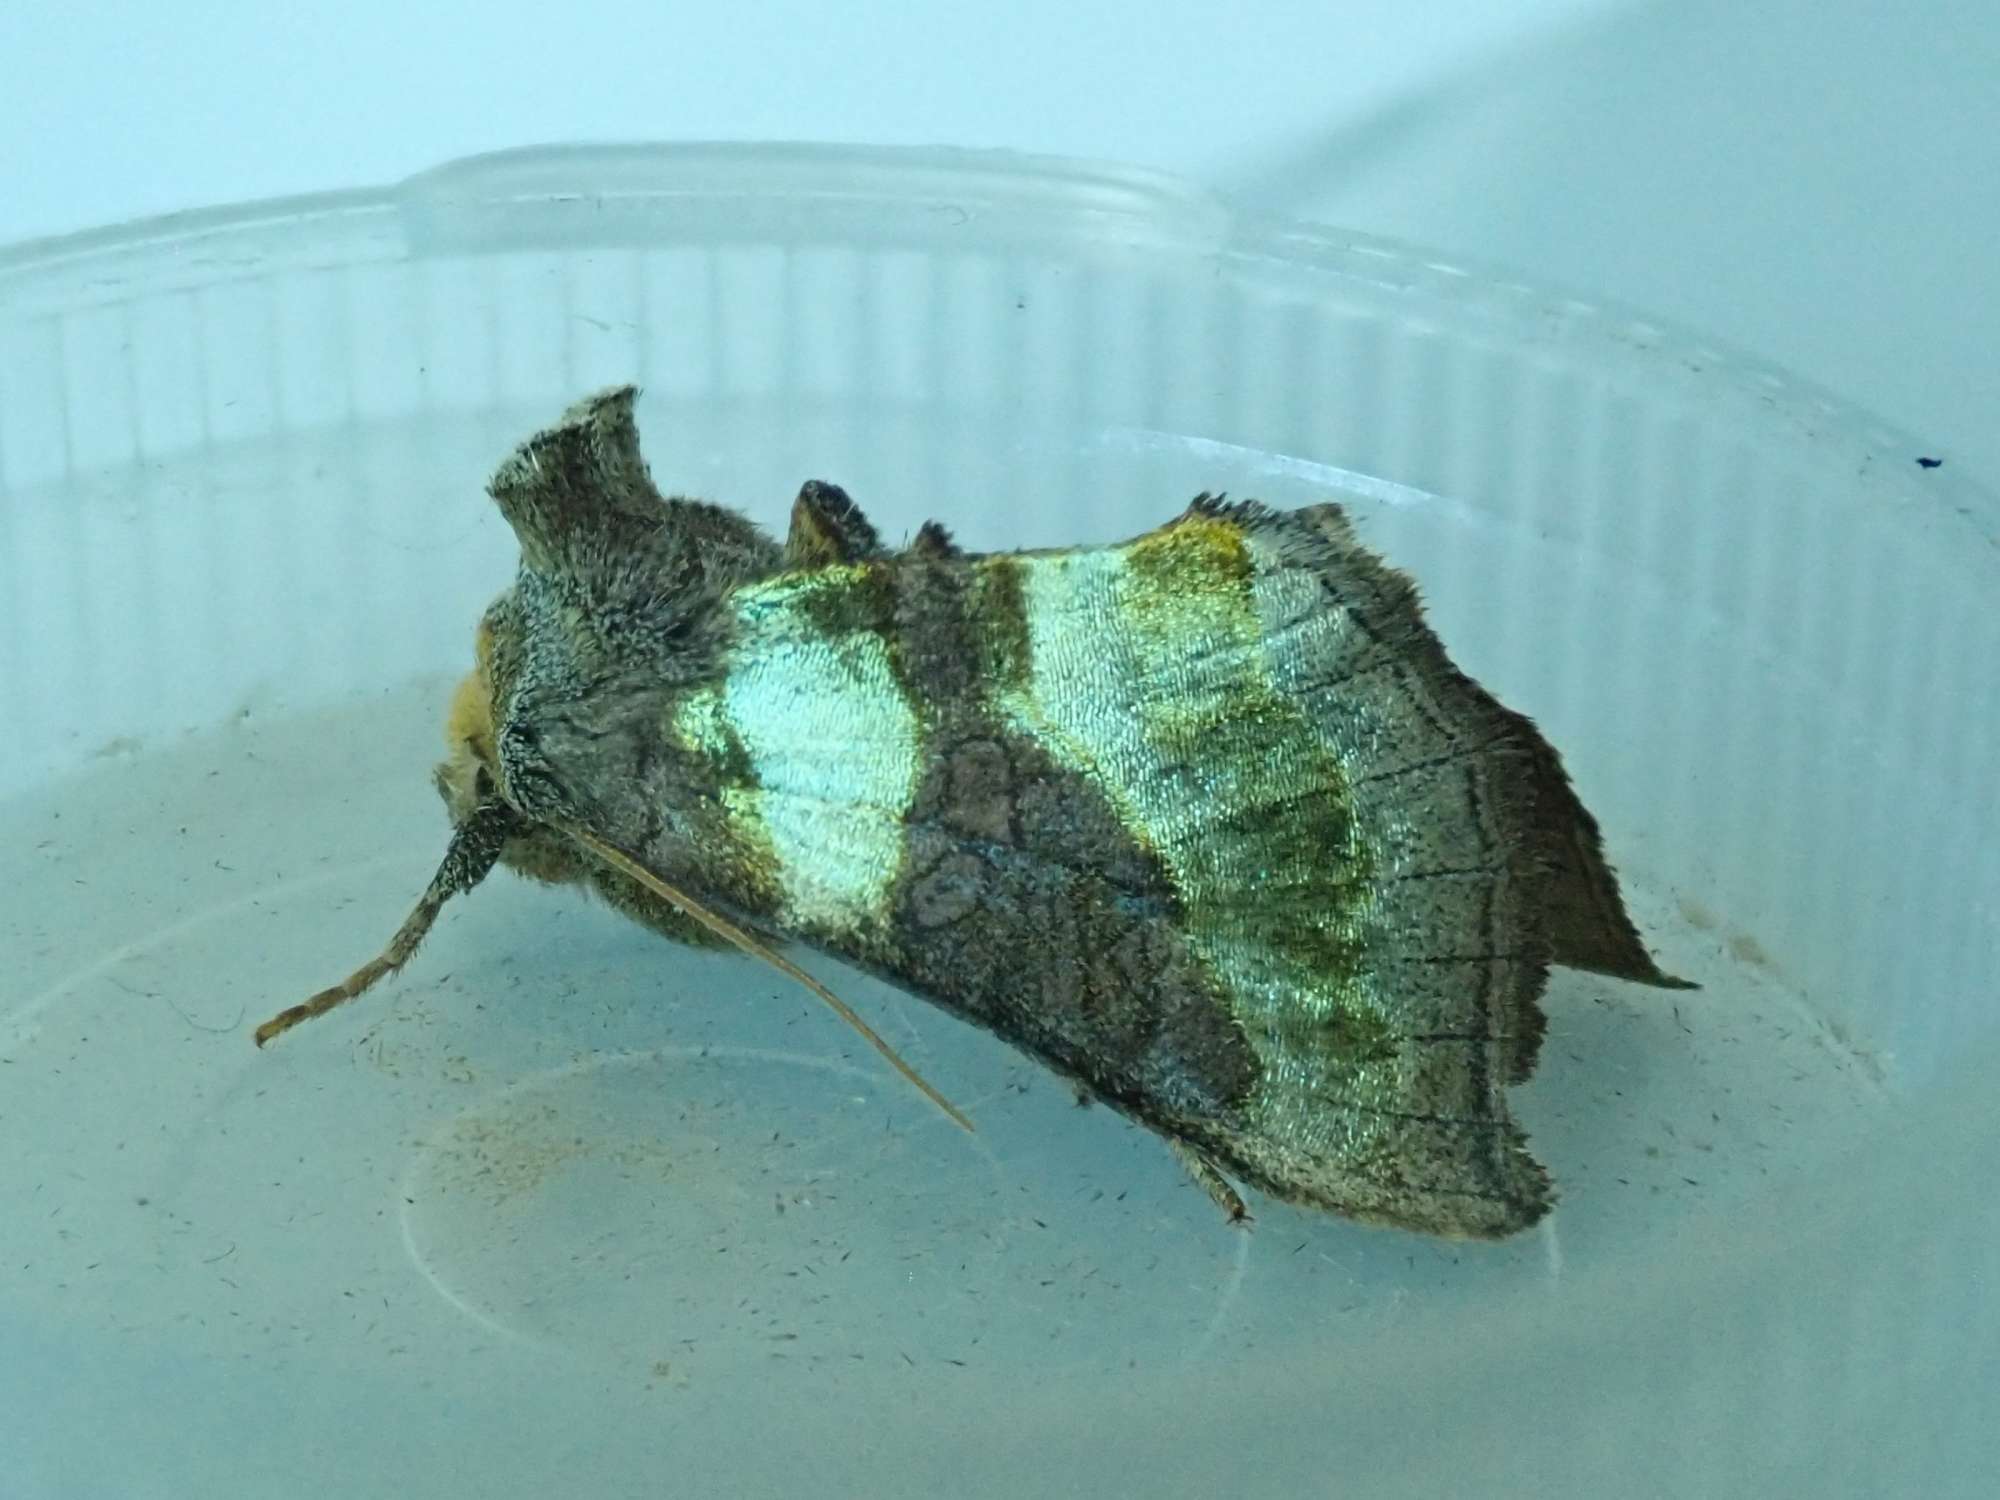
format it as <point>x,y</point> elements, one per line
<point>470,772</point>
<point>598,543</point>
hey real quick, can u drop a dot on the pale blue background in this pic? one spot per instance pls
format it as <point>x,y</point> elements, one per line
<point>1817,181</point>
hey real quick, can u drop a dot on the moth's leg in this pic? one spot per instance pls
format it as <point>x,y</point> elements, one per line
<point>474,850</point>
<point>827,527</point>
<point>1208,1176</point>
<point>1082,1096</point>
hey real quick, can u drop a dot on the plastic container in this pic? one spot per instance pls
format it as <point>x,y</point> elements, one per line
<point>567,1210</point>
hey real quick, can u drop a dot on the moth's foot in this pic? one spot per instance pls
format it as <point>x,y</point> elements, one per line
<point>286,1019</point>
<point>278,1025</point>
<point>339,994</point>
<point>1208,1177</point>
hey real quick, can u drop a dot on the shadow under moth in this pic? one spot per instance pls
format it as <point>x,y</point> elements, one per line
<point>1205,821</point>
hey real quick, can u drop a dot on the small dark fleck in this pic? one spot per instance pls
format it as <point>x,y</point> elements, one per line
<point>1930,463</point>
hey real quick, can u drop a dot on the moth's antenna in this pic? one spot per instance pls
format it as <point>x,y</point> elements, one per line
<point>475,845</point>
<point>729,932</point>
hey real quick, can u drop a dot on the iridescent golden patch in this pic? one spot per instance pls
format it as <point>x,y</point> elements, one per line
<point>1278,866</point>
<point>812,703</point>
<point>1001,612</point>
<point>1197,556</point>
<point>1148,675</point>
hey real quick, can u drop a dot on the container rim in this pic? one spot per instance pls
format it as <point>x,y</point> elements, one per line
<point>521,188</point>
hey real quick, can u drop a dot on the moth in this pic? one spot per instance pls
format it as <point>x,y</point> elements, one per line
<point>1207,822</point>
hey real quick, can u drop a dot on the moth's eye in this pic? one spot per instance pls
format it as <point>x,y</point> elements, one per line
<point>482,784</point>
